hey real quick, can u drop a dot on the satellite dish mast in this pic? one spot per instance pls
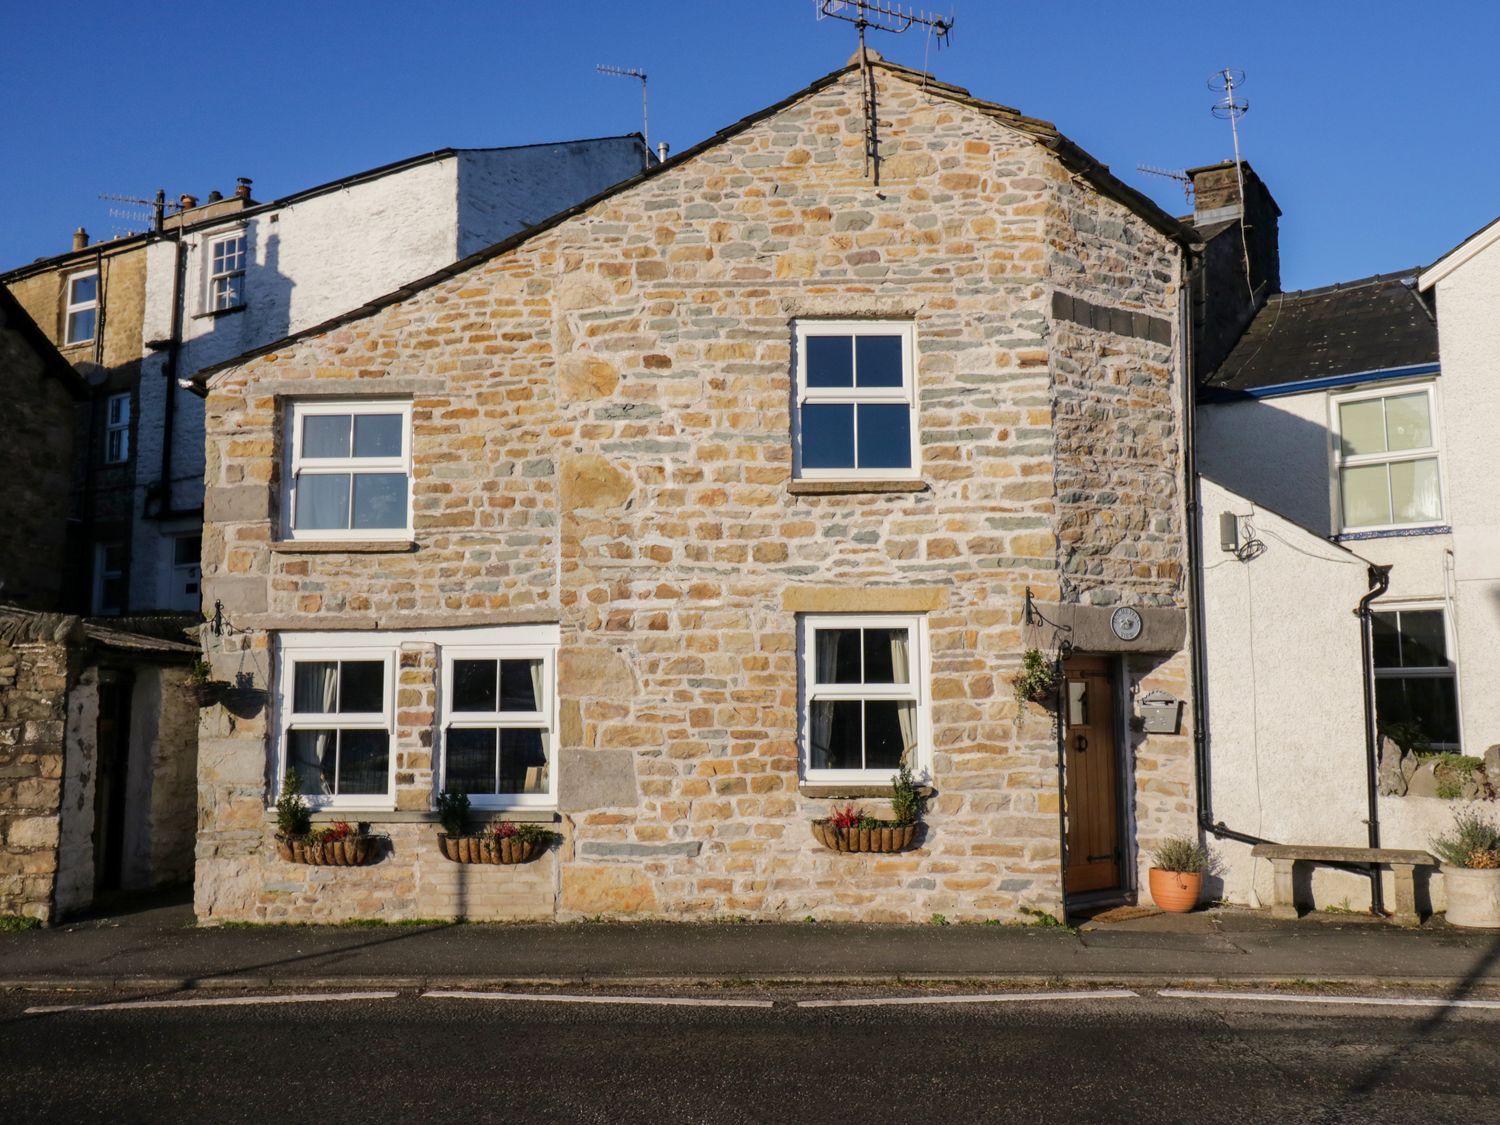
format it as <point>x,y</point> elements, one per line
<point>880,15</point>
<point>1231,108</point>
<point>633,72</point>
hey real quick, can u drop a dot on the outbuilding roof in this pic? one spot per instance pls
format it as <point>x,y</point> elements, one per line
<point>1074,158</point>
<point>1377,323</point>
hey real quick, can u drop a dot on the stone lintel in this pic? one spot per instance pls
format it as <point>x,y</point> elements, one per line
<point>852,487</point>
<point>343,546</point>
<point>354,386</point>
<point>334,623</point>
<point>1163,629</point>
<point>863,599</point>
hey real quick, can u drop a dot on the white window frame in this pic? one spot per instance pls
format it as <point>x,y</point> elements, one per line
<point>906,395</point>
<point>1450,671</point>
<point>101,552</point>
<point>918,692</point>
<point>216,278</point>
<point>185,573</point>
<point>117,429</point>
<point>297,465</point>
<point>292,651</point>
<point>1342,462</point>
<point>544,719</point>
<point>72,308</point>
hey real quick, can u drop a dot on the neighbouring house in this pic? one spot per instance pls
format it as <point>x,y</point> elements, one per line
<point>1345,431</point>
<point>690,514</point>
<point>88,800</point>
<point>136,315</point>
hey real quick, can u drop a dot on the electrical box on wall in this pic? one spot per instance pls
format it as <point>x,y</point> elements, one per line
<point>1160,712</point>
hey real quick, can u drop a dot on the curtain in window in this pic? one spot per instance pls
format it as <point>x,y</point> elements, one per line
<point>907,713</point>
<point>821,720</point>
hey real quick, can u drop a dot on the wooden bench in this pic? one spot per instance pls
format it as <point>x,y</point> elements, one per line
<point>1402,862</point>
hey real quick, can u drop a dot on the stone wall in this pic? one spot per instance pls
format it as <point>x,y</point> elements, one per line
<point>601,435</point>
<point>34,681</point>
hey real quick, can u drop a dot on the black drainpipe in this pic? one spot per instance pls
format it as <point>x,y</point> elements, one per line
<point>174,347</point>
<point>1380,582</point>
<point>1060,685</point>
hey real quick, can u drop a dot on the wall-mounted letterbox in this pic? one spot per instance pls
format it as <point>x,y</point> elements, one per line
<point>1160,712</point>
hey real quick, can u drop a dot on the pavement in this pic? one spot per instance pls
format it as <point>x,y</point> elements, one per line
<point>163,949</point>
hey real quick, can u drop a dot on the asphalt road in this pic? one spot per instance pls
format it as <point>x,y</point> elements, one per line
<point>451,1060</point>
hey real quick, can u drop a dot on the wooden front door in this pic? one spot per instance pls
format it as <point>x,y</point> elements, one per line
<point>1092,772</point>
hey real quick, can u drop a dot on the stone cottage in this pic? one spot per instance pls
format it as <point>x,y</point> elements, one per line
<point>689,514</point>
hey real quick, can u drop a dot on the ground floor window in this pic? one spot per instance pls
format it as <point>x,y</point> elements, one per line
<point>497,730</point>
<point>337,723</point>
<point>864,707</point>
<point>1416,687</point>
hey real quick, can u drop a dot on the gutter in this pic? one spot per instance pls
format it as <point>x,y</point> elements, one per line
<point>1380,582</point>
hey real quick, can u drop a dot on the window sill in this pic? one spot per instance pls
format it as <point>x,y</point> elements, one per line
<point>1393,533</point>
<point>343,546</point>
<point>419,816</point>
<point>843,487</point>
<point>214,314</point>
<point>835,789</point>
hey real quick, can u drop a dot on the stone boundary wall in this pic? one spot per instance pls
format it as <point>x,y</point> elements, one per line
<point>34,680</point>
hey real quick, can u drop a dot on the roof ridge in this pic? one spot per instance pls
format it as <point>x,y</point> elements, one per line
<point>1353,283</point>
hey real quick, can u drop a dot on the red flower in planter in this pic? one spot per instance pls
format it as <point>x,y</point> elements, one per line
<point>505,829</point>
<point>339,830</point>
<point>849,816</point>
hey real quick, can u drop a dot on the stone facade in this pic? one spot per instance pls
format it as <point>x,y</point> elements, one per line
<point>601,440</point>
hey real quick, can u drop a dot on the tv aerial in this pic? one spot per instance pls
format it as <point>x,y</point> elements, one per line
<point>633,72</point>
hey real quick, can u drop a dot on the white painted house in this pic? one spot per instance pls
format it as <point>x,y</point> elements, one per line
<point>232,274</point>
<point>1350,427</point>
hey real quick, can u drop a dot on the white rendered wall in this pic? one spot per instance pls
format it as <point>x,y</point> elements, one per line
<point>1468,308</point>
<point>1274,451</point>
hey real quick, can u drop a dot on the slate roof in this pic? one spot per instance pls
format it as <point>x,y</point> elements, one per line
<point>1373,324</point>
<point>1074,158</point>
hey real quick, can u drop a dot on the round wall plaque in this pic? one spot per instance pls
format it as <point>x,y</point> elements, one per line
<point>1125,623</point>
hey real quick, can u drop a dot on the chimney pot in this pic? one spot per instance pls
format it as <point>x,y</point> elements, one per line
<point>80,239</point>
<point>242,187</point>
<point>662,148</point>
<point>186,201</point>
<point>215,196</point>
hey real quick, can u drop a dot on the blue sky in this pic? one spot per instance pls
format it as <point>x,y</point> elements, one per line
<point>1368,120</point>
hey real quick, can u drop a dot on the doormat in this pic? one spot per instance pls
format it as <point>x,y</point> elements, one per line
<point>1124,914</point>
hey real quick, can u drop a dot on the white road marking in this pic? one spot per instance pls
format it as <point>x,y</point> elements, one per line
<point>215,1002</point>
<point>1294,998</point>
<point>555,998</point>
<point>978,998</point>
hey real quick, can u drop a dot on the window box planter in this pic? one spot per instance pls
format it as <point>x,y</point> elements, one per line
<point>351,851</point>
<point>886,838</point>
<point>489,848</point>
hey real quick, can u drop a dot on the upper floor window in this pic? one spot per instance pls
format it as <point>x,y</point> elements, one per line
<point>226,272</point>
<point>117,429</point>
<point>187,555</point>
<point>350,470</point>
<point>109,578</point>
<point>82,307</point>
<point>497,731</point>
<point>337,723</point>
<point>864,704</point>
<point>1387,449</point>
<point>1416,688</point>
<point>855,400</point>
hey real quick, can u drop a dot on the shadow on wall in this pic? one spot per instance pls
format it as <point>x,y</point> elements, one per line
<point>1263,451</point>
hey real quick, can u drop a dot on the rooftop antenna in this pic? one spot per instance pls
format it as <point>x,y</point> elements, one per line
<point>1231,108</point>
<point>880,15</point>
<point>158,207</point>
<point>1170,174</point>
<point>633,72</point>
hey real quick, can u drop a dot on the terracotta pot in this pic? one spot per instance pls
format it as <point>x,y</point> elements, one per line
<point>488,849</point>
<point>895,839</point>
<point>1176,892</point>
<point>1473,895</point>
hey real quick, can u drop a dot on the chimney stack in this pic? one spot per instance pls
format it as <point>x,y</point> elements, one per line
<point>242,188</point>
<point>80,239</point>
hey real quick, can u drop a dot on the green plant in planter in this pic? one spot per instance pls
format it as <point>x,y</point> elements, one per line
<point>293,817</point>
<point>906,798</point>
<point>1473,841</point>
<point>452,807</point>
<point>200,672</point>
<point>1182,854</point>
<point>524,832</point>
<point>1037,678</point>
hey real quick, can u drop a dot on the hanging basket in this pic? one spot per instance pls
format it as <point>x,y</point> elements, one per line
<point>895,838</point>
<point>351,851</point>
<point>489,848</point>
<point>206,693</point>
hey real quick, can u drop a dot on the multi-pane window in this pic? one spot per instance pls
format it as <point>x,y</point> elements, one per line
<point>82,308</point>
<point>856,400</point>
<point>1416,690</point>
<point>117,429</point>
<point>1388,459</point>
<point>497,732</point>
<point>187,551</point>
<point>337,724</point>
<point>865,710</point>
<point>350,470</point>
<point>226,272</point>
<point>109,578</point>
